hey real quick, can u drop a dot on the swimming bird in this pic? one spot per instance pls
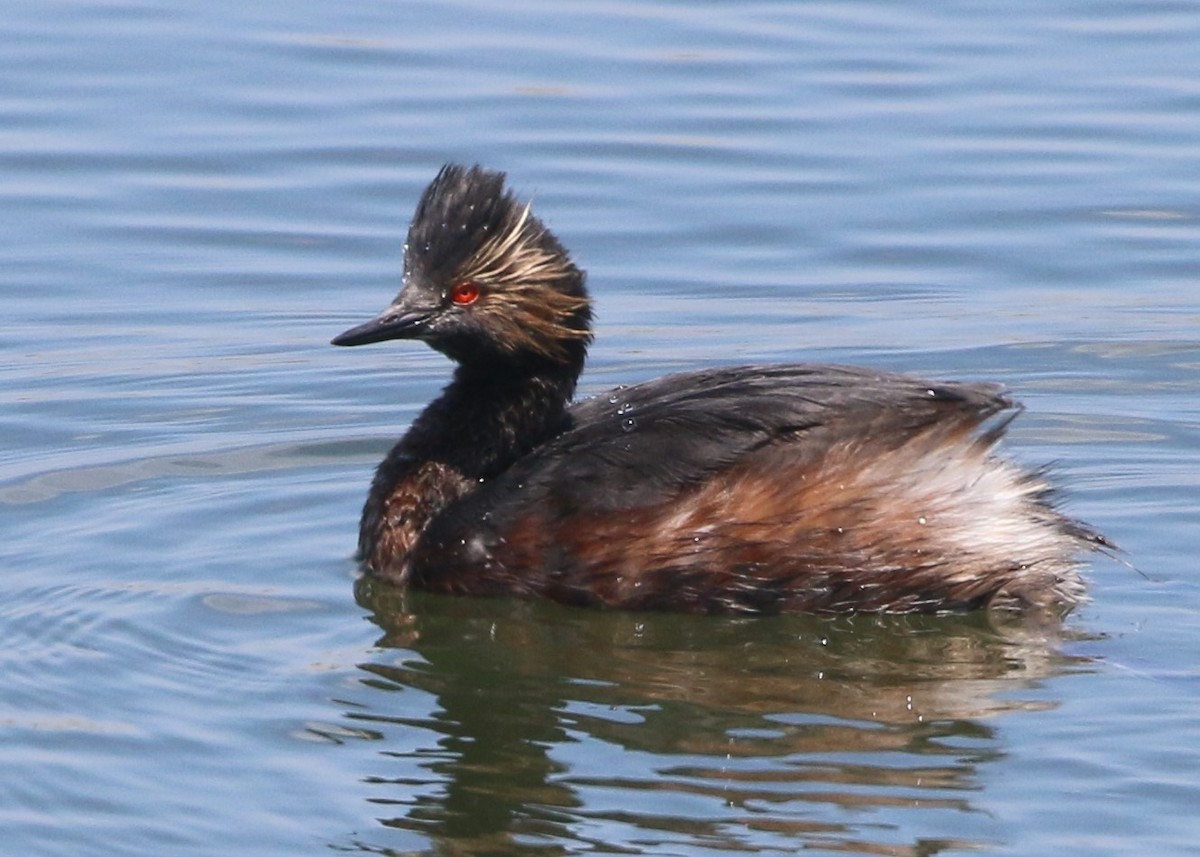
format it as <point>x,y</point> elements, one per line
<point>751,489</point>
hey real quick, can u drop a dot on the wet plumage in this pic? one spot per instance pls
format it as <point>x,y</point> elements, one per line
<point>748,489</point>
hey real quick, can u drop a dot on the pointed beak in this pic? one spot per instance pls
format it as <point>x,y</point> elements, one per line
<point>404,319</point>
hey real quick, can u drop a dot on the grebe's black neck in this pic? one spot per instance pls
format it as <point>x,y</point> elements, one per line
<point>485,419</point>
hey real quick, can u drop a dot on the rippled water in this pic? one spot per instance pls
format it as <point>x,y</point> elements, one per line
<point>197,196</point>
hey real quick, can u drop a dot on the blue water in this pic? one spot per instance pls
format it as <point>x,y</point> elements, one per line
<point>196,197</point>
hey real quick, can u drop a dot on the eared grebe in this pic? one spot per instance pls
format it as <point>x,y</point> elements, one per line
<point>749,489</point>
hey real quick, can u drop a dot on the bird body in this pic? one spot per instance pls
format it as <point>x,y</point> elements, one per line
<point>753,489</point>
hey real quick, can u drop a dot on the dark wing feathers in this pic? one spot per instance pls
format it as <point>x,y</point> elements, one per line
<point>641,445</point>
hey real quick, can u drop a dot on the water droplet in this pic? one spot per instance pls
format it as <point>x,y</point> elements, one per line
<point>625,408</point>
<point>613,399</point>
<point>628,424</point>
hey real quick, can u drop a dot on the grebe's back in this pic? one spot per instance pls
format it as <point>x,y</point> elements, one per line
<point>767,488</point>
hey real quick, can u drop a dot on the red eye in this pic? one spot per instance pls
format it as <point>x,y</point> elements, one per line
<point>464,294</point>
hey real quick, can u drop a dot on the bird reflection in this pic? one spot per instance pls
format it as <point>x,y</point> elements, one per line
<point>528,726</point>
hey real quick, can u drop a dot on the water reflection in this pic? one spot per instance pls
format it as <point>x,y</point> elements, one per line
<point>524,725</point>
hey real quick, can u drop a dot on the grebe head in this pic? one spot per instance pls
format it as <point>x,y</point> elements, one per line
<point>484,280</point>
